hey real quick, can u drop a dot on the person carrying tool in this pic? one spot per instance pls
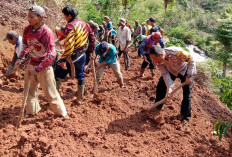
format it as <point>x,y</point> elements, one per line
<point>94,26</point>
<point>39,44</point>
<point>138,40</point>
<point>15,39</point>
<point>107,53</point>
<point>123,39</point>
<point>78,38</point>
<point>144,48</point>
<point>173,63</point>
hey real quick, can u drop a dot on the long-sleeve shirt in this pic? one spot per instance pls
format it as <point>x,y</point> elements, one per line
<point>78,34</point>
<point>110,57</point>
<point>138,38</point>
<point>148,43</point>
<point>137,30</point>
<point>177,61</point>
<point>40,46</point>
<point>18,50</point>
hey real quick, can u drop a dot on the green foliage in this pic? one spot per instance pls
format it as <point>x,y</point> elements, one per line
<point>224,33</point>
<point>92,13</point>
<point>176,42</point>
<point>222,128</point>
<point>210,5</point>
<point>183,33</point>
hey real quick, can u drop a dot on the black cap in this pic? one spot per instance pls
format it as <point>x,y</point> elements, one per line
<point>11,35</point>
<point>152,19</point>
<point>103,47</point>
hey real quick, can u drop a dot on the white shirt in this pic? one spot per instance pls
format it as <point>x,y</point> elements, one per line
<point>19,46</point>
<point>123,35</point>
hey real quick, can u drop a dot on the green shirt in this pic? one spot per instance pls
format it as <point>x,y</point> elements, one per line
<point>140,38</point>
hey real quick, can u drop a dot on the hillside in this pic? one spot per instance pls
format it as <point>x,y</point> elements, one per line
<point>110,123</point>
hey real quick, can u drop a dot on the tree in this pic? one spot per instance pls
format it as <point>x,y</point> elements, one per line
<point>224,36</point>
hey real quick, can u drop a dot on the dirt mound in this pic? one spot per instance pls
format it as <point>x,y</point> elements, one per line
<point>110,123</point>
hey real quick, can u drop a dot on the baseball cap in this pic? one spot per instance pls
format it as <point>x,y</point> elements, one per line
<point>156,35</point>
<point>122,20</point>
<point>103,47</point>
<point>10,35</point>
<point>37,10</point>
<point>152,19</point>
<point>106,17</point>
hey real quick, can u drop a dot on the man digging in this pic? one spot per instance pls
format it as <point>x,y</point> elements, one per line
<point>173,63</point>
<point>107,53</point>
<point>39,42</point>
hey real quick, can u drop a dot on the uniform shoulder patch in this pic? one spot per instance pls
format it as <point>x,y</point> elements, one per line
<point>184,56</point>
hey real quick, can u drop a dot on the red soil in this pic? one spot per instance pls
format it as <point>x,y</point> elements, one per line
<point>110,123</point>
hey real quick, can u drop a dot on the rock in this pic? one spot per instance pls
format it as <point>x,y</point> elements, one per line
<point>197,50</point>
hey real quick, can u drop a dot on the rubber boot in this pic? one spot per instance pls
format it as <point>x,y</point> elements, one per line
<point>142,72</point>
<point>121,84</point>
<point>152,72</point>
<point>80,94</point>
<point>58,85</point>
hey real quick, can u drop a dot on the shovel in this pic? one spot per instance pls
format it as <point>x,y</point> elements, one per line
<point>166,97</point>
<point>25,95</point>
<point>95,86</point>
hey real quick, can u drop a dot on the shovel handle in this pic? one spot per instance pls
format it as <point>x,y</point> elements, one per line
<point>25,95</point>
<point>95,86</point>
<point>166,97</point>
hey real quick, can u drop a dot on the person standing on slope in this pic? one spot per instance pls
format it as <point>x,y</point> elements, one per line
<point>78,38</point>
<point>39,42</point>
<point>144,48</point>
<point>173,63</point>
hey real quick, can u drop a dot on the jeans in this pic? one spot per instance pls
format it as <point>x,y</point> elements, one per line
<point>79,68</point>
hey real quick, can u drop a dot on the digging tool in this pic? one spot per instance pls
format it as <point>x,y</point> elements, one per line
<point>25,95</point>
<point>95,86</point>
<point>72,67</point>
<point>166,97</point>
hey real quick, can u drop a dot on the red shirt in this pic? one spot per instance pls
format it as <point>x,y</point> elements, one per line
<point>40,46</point>
<point>78,34</point>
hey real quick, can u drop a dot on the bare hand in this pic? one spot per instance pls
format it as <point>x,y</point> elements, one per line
<point>188,80</point>
<point>63,65</point>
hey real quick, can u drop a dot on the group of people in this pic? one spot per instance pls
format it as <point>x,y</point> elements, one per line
<point>80,40</point>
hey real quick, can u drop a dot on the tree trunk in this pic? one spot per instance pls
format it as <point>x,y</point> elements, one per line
<point>191,9</point>
<point>224,69</point>
<point>165,17</point>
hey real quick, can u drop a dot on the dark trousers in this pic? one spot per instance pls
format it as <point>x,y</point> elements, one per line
<point>186,102</point>
<point>150,62</point>
<point>139,54</point>
<point>79,68</point>
<point>126,58</point>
